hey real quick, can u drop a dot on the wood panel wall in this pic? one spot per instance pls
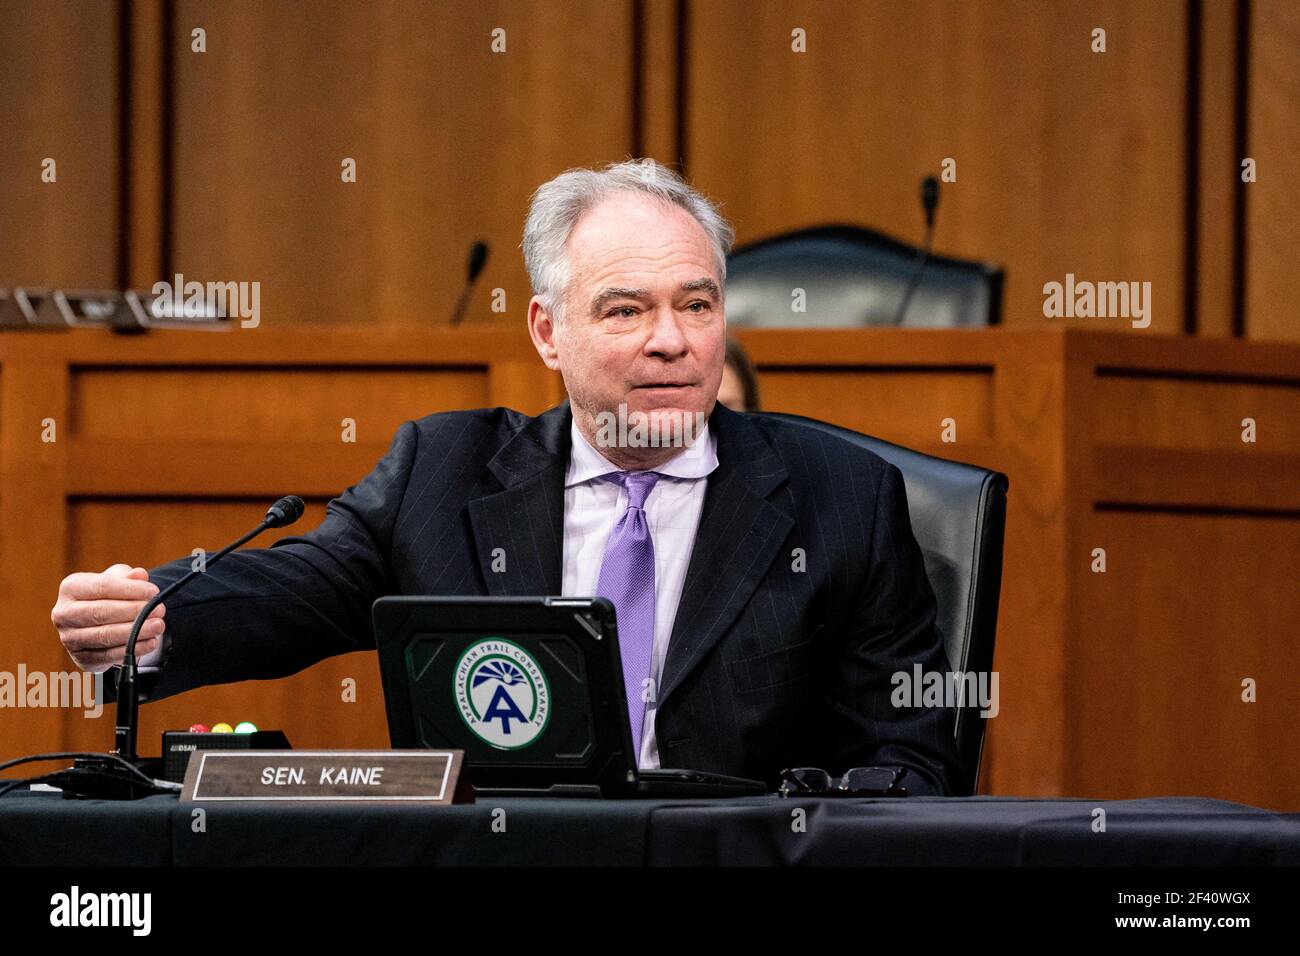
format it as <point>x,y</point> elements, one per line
<point>59,64</point>
<point>1272,209</point>
<point>1181,652</point>
<point>1067,160</point>
<point>1123,165</point>
<point>1128,681</point>
<point>449,138</point>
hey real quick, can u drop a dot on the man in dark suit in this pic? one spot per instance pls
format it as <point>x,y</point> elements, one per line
<point>765,575</point>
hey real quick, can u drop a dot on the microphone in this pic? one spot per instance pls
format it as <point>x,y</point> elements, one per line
<point>122,774</point>
<point>929,202</point>
<point>478,257</point>
<point>284,512</point>
<point>930,199</point>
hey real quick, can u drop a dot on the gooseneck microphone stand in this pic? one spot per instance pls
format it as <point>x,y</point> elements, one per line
<point>123,774</point>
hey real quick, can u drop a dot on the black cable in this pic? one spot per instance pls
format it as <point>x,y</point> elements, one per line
<point>922,256</point>
<point>28,781</point>
<point>74,754</point>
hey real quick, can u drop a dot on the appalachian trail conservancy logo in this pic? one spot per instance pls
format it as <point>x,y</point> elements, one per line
<point>502,694</point>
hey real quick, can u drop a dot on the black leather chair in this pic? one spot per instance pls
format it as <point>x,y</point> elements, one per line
<point>854,277</point>
<point>958,514</point>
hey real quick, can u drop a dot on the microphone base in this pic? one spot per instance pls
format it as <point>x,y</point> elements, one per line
<point>99,778</point>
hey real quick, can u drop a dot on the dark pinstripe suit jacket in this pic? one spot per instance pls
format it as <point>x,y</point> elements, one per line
<point>805,591</point>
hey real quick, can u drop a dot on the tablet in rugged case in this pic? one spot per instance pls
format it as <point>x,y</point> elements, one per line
<point>531,688</point>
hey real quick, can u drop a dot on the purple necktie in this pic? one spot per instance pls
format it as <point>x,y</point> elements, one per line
<point>627,578</point>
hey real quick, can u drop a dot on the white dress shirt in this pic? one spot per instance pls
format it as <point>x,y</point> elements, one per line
<point>592,508</point>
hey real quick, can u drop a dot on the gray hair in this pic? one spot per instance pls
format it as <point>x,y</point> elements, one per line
<point>557,206</point>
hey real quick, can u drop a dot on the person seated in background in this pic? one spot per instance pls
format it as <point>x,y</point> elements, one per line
<point>765,576</point>
<point>739,389</point>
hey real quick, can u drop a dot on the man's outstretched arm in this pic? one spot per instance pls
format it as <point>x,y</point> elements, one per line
<point>258,613</point>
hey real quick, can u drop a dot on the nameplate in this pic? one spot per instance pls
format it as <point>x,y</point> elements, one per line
<point>327,776</point>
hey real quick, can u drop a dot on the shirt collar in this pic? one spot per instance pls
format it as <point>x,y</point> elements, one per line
<point>586,463</point>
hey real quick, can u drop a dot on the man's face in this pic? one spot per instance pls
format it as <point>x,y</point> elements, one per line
<point>643,323</point>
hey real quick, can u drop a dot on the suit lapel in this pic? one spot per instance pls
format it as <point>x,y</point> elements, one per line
<point>739,533</point>
<point>737,540</point>
<point>519,530</point>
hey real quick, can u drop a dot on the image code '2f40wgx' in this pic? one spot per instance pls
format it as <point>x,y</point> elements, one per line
<point>531,688</point>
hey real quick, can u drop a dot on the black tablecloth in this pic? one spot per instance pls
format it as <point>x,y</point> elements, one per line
<point>45,829</point>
